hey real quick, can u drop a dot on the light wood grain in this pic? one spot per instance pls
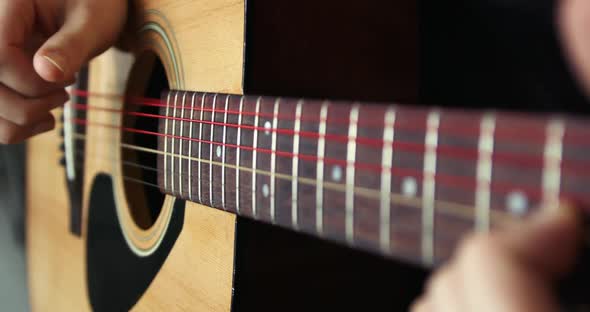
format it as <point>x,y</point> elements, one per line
<point>55,258</point>
<point>197,275</point>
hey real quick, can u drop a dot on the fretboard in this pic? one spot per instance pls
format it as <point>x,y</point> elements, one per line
<point>399,180</point>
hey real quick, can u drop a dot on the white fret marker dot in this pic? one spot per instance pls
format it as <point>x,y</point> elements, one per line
<point>265,190</point>
<point>218,151</point>
<point>336,173</point>
<point>267,126</point>
<point>517,203</point>
<point>409,186</point>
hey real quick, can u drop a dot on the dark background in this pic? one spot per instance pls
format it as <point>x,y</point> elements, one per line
<point>473,54</point>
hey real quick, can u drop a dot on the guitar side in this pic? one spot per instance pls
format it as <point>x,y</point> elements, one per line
<point>197,273</point>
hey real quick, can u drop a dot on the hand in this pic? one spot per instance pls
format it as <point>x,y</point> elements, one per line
<point>515,270</point>
<point>510,270</point>
<point>43,44</point>
<point>574,25</point>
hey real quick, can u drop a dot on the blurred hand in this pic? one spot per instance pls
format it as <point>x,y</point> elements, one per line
<point>43,44</point>
<point>574,26</point>
<point>516,269</point>
<point>510,270</point>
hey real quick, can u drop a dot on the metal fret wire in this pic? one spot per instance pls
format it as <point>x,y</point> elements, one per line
<point>180,149</point>
<point>555,137</point>
<point>211,137</point>
<point>447,207</point>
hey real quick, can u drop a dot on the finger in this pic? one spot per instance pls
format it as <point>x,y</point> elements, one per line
<point>421,305</point>
<point>574,22</point>
<point>87,31</point>
<point>17,73</point>
<point>494,279</point>
<point>16,37</point>
<point>11,133</point>
<point>16,21</point>
<point>445,290</point>
<point>558,230</point>
<point>24,111</point>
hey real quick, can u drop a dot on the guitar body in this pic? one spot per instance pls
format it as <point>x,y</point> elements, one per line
<point>197,275</point>
<point>106,243</point>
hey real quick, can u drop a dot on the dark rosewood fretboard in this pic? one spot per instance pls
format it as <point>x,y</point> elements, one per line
<point>399,180</point>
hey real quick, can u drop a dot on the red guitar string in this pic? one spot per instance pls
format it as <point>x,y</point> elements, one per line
<point>461,182</point>
<point>516,135</point>
<point>80,152</point>
<point>573,167</point>
<point>139,101</point>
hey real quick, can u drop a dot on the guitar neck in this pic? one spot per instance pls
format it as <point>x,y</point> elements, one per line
<point>402,181</point>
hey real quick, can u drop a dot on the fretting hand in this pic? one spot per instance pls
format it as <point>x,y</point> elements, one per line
<point>43,43</point>
<point>510,270</point>
<point>516,269</point>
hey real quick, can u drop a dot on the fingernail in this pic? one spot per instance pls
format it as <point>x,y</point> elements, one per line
<point>51,66</point>
<point>43,127</point>
<point>54,63</point>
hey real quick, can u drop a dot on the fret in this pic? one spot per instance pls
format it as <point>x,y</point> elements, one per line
<point>199,147</point>
<point>320,169</point>
<point>484,172</point>
<point>254,154</point>
<point>273,160</point>
<point>172,178</point>
<point>406,189</point>
<point>265,161</point>
<point>335,170</point>
<point>431,190</point>
<point>211,139</point>
<point>190,147</point>
<point>166,140</point>
<point>372,175</point>
<point>283,190</point>
<point>457,179</point>
<point>307,170</point>
<point>574,183</point>
<point>428,188</point>
<point>217,152</point>
<point>350,170</point>
<point>516,187</point>
<point>230,153</point>
<point>295,168</point>
<point>552,156</point>
<point>180,149</point>
<point>238,143</point>
<point>386,164</point>
<point>223,151</point>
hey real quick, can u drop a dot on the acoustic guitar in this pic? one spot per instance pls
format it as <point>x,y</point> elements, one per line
<point>280,155</point>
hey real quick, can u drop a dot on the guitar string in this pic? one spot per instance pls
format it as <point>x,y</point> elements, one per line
<point>448,207</point>
<point>518,132</point>
<point>448,179</point>
<point>80,154</point>
<point>139,101</point>
<point>573,167</point>
<point>401,228</point>
<point>455,207</point>
<point>375,168</point>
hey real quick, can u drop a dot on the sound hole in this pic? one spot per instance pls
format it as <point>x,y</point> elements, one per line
<point>147,80</point>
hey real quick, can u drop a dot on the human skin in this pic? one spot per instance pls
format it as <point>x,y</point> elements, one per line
<point>515,269</point>
<point>43,44</point>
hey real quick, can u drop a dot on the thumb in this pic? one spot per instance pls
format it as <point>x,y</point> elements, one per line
<point>549,243</point>
<point>86,32</point>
